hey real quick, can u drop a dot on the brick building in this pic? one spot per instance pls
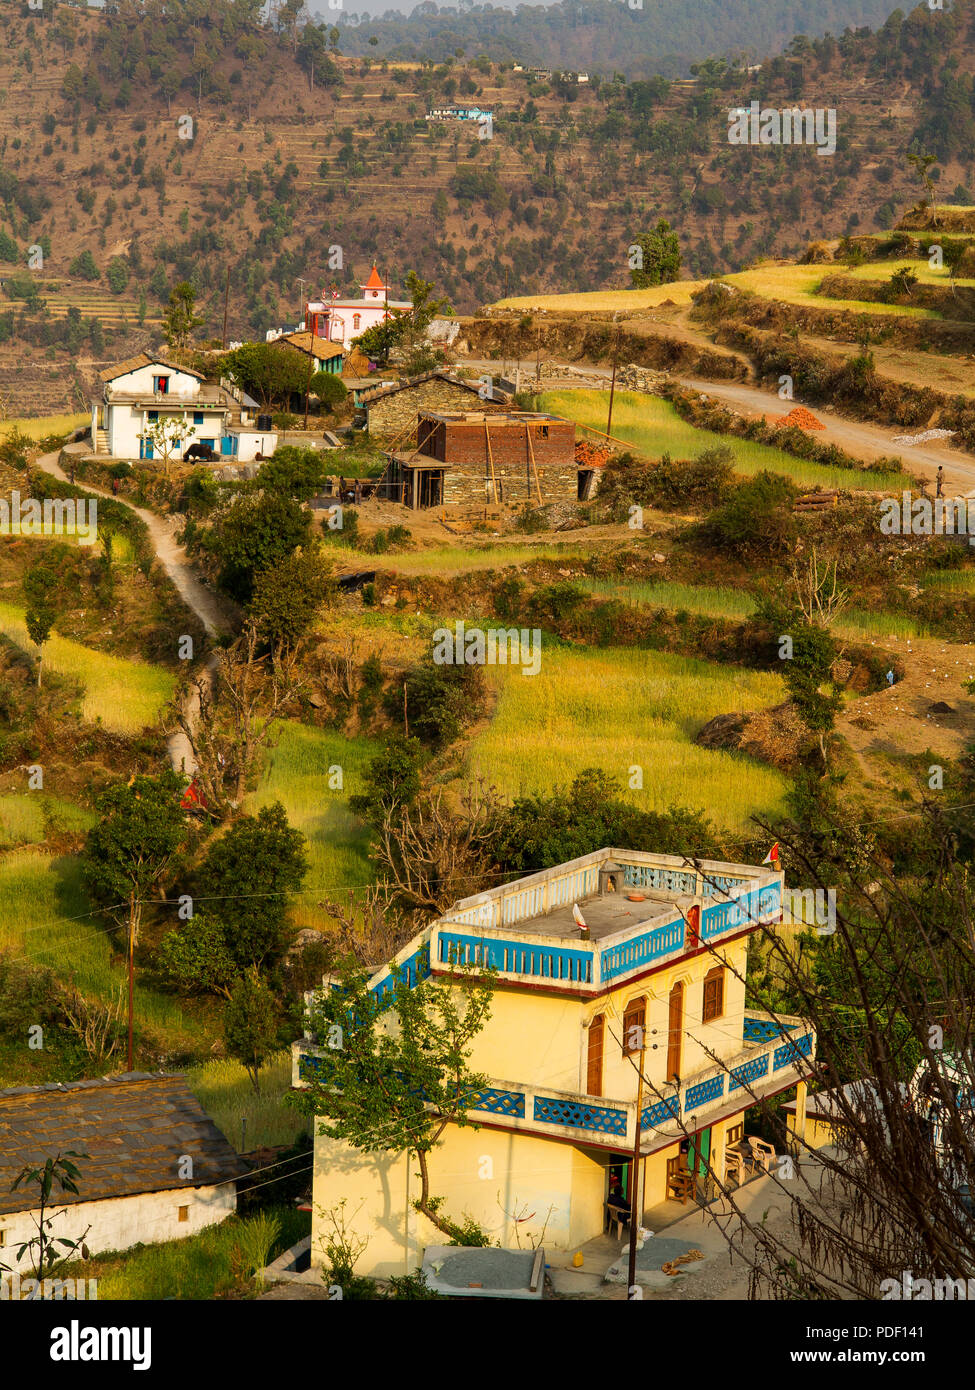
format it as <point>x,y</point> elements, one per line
<point>485,458</point>
<point>391,411</point>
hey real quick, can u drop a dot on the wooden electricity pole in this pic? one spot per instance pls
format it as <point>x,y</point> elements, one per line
<point>636,1216</point>
<point>612,384</point>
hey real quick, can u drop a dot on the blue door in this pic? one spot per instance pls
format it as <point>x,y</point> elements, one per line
<point>145,449</point>
<point>210,443</point>
<point>227,446</point>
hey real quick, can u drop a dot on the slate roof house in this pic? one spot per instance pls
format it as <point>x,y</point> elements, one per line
<point>390,410</point>
<point>157,1167</point>
<point>143,389</point>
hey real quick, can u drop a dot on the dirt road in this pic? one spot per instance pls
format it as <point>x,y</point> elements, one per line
<point>859,438</point>
<point>197,597</point>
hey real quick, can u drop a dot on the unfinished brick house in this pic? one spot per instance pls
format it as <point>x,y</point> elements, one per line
<point>482,458</point>
<point>391,411</point>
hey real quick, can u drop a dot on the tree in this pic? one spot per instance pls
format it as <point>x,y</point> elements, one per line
<point>167,436</point>
<point>659,260</point>
<point>250,1030</point>
<point>273,372</point>
<point>138,836</point>
<point>329,390</point>
<point>179,320</point>
<point>288,597</point>
<point>117,274</point>
<point>809,680</point>
<point>256,532</point>
<point>83,266</point>
<point>293,472</point>
<point>922,166</point>
<point>390,1089</point>
<point>40,620</point>
<point>234,723</point>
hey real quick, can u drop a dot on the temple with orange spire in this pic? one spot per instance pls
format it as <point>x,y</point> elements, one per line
<point>343,320</point>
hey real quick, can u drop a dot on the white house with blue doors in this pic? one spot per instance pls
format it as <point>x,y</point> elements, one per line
<point>143,390</point>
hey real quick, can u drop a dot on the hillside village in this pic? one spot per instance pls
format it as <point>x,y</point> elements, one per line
<point>487,749</point>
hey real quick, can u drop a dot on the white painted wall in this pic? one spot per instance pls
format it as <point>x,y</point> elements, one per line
<point>124,423</point>
<point>140,381</point>
<point>120,1222</point>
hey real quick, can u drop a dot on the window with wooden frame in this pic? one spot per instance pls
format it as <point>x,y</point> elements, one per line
<point>735,1133</point>
<point>634,1025</point>
<point>713,994</point>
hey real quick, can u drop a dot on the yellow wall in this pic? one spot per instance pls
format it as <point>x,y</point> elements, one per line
<point>495,1177</point>
<point>541,1040</point>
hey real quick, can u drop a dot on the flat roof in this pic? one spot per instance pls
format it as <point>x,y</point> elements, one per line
<point>605,914</point>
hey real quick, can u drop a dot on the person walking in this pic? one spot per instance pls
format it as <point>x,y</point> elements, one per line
<point>940,481</point>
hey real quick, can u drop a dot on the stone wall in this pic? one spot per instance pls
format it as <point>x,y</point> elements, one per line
<point>393,415</point>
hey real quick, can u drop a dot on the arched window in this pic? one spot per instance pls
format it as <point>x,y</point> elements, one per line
<point>356,320</point>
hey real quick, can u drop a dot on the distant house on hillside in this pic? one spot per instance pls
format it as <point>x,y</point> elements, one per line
<point>143,389</point>
<point>326,357</point>
<point>460,113</point>
<point>391,410</point>
<point>342,320</point>
<point>155,1166</point>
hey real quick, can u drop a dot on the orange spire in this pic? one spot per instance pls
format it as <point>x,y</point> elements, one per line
<point>374,282</point>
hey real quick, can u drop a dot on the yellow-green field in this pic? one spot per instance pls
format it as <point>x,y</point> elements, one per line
<point>717,601</point>
<point>653,427</point>
<point>125,696</point>
<point>797,284</point>
<point>39,426</point>
<point>883,270</point>
<point>25,818</point>
<point>608,301</point>
<point>456,559</point>
<point>301,767</point>
<point>122,553</point>
<point>618,709</point>
<point>248,1119</point>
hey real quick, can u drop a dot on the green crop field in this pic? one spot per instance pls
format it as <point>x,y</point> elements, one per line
<point>456,559</point>
<point>798,284</point>
<point>653,427</point>
<point>298,776</point>
<point>249,1119</point>
<point>46,918</point>
<point>27,818</point>
<point>714,601</point>
<point>125,696</point>
<point>618,709</point>
<point>39,426</point>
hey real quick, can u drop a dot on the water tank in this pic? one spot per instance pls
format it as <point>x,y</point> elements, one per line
<point>264,422</point>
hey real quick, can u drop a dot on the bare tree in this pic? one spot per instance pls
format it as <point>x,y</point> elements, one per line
<point>233,727</point>
<point>98,1026</point>
<point>369,926</point>
<point>818,593</point>
<point>432,854</point>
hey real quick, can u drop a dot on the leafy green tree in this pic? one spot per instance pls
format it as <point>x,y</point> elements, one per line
<point>660,258</point>
<point>196,958</point>
<point>40,620</point>
<point>180,320</point>
<point>391,778</point>
<point>250,1029</point>
<point>138,836</point>
<point>256,532</point>
<point>83,266</point>
<point>117,274</point>
<point>244,882</point>
<point>293,472</point>
<point>273,372</point>
<point>288,597</point>
<point>328,389</point>
<point>390,1089</point>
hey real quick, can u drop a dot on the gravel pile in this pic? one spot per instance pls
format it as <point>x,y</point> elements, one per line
<point>492,1269</point>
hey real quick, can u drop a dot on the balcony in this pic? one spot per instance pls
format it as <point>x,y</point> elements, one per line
<point>525,930</point>
<point>776,1054</point>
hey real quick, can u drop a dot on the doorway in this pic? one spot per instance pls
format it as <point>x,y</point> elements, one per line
<point>594,1057</point>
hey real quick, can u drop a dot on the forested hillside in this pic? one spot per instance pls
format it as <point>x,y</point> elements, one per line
<point>607,36</point>
<point>136,152</point>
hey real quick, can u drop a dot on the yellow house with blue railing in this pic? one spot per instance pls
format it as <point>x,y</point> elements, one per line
<point>660,960</point>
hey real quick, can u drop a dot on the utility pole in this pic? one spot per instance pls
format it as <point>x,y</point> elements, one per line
<point>302,283</point>
<point>226,303</point>
<point>636,1216</point>
<point>612,384</point>
<point>311,368</point>
<point>130,1064</point>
